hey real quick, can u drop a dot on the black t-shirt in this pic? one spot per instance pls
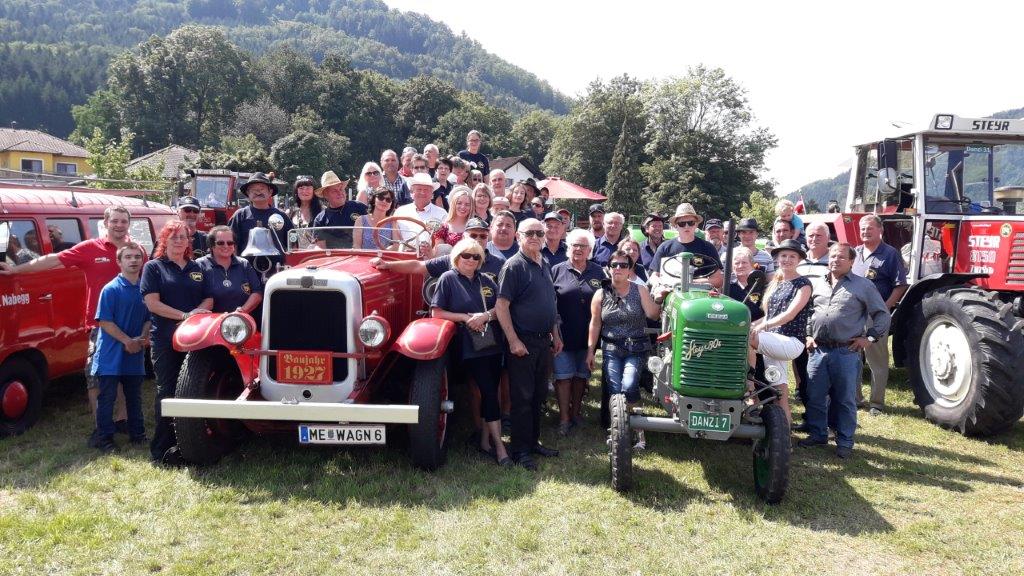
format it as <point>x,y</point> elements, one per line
<point>346,215</point>
<point>199,248</point>
<point>531,294</point>
<point>705,255</point>
<point>481,160</point>
<point>180,288</point>
<point>574,292</point>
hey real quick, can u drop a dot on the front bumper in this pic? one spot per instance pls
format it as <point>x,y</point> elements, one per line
<point>292,412</point>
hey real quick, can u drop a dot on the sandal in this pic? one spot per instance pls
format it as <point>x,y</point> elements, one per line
<point>506,462</point>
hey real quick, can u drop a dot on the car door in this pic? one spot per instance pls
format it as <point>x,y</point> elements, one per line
<point>26,318</point>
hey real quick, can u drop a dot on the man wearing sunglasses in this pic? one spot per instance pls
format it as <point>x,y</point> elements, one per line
<point>705,256</point>
<point>188,212</point>
<point>528,316</point>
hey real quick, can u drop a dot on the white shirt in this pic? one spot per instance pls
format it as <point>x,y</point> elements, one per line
<point>432,215</point>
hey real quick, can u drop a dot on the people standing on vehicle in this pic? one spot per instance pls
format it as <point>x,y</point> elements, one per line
<point>496,180</point>
<point>467,297</point>
<point>472,152</point>
<point>393,180</point>
<point>606,245</point>
<point>747,231</point>
<point>260,212</point>
<point>370,178</point>
<point>119,361</point>
<point>554,250</point>
<point>382,205</point>
<point>482,202</point>
<point>596,213</point>
<point>454,224</point>
<point>232,284</point>
<point>653,227</point>
<point>528,315</point>
<point>307,205</point>
<point>883,266</point>
<point>172,287</point>
<point>849,316</point>
<point>338,213</point>
<point>575,281</point>
<point>97,258</point>
<point>778,336</point>
<point>618,316</point>
<point>444,187</point>
<point>188,212</point>
<point>503,235</point>
<point>705,257</point>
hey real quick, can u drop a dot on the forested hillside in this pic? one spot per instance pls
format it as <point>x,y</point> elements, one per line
<point>54,53</point>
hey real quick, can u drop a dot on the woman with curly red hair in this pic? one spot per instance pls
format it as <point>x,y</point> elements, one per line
<point>173,289</point>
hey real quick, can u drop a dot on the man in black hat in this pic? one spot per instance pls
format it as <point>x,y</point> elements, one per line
<point>596,212</point>
<point>714,232</point>
<point>653,228</point>
<point>259,190</point>
<point>747,231</point>
<point>531,189</point>
<point>188,212</point>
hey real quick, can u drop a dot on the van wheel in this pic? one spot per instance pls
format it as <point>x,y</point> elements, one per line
<point>21,396</point>
<point>208,374</point>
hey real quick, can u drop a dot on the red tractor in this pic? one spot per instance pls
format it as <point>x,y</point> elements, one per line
<point>948,198</point>
<point>217,192</point>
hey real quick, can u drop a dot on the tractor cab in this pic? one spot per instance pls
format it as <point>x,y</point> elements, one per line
<point>218,192</point>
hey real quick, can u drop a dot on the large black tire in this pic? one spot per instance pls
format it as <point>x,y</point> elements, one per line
<point>964,360</point>
<point>771,455</point>
<point>620,443</point>
<point>428,438</point>
<point>208,374</point>
<point>21,392</point>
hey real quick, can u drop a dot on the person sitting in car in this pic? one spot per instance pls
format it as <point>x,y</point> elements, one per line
<point>339,212</point>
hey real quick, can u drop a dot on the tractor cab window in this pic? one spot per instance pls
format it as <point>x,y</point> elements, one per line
<point>972,178</point>
<point>19,241</point>
<point>212,192</point>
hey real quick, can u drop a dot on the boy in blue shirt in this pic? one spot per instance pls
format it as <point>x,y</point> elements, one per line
<point>119,359</point>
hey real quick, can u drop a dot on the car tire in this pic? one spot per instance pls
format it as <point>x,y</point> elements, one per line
<point>620,443</point>
<point>771,455</point>
<point>21,396</point>
<point>208,374</point>
<point>428,438</point>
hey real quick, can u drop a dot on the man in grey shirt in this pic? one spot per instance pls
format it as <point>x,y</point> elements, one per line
<point>849,316</point>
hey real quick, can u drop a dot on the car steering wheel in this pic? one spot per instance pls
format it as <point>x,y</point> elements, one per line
<point>411,243</point>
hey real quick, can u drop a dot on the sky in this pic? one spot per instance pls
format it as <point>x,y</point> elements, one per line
<point>822,76</point>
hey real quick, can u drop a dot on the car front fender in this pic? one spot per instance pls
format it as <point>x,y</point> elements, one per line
<point>203,331</point>
<point>425,338</point>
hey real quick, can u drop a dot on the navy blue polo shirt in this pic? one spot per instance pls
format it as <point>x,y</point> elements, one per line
<point>346,215</point>
<point>199,248</point>
<point>557,257</point>
<point>120,303</point>
<point>884,267</point>
<point>456,293</point>
<point>574,291</point>
<point>647,253</point>
<point>490,268</point>
<point>245,220</point>
<point>603,250</point>
<point>179,288</point>
<point>705,255</point>
<point>229,288</point>
<point>506,254</point>
<point>528,287</point>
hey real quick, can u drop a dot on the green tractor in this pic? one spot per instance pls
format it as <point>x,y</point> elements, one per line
<point>701,380</point>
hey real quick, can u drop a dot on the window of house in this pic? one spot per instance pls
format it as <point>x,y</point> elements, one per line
<point>30,165</point>
<point>69,168</point>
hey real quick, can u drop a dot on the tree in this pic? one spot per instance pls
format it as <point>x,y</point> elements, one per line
<point>306,153</point>
<point>242,154</point>
<point>100,112</point>
<point>531,135</point>
<point>419,104</point>
<point>262,119</point>
<point>760,207</point>
<point>288,77</point>
<point>109,159</point>
<point>625,183</point>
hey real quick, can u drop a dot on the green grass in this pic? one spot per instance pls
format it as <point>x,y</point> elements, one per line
<point>913,499</point>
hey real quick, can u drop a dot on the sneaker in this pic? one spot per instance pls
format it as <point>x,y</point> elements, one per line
<point>564,428</point>
<point>121,427</point>
<point>103,444</point>
<point>875,411</point>
<point>811,442</point>
<point>844,452</point>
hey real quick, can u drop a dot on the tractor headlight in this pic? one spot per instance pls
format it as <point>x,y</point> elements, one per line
<point>373,331</point>
<point>234,329</point>
<point>773,375</point>
<point>655,364</point>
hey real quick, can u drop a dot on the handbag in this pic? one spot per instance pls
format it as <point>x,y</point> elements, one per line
<point>486,338</point>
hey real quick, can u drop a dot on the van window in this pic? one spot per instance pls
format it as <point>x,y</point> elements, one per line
<point>64,233</point>
<point>140,231</point>
<point>22,241</point>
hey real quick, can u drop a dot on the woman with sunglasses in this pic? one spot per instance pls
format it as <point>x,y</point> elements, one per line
<point>307,205</point>
<point>232,284</point>
<point>537,207</point>
<point>382,205</point>
<point>482,199</point>
<point>618,316</point>
<point>467,298</point>
<point>454,226</point>
<point>369,179</point>
<point>632,248</point>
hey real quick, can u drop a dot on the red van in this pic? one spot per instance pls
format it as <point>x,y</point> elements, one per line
<point>43,329</point>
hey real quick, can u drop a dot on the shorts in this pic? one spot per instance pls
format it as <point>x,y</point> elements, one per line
<point>571,364</point>
<point>777,349</point>
<point>90,380</point>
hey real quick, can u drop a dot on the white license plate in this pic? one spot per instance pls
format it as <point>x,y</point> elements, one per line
<point>341,434</point>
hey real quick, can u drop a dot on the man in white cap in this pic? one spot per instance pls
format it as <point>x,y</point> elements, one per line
<point>705,255</point>
<point>432,215</point>
<point>339,211</point>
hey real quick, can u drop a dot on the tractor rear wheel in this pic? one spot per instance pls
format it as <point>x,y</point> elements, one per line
<point>620,443</point>
<point>208,374</point>
<point>771,455</point>
<point>964,361</point>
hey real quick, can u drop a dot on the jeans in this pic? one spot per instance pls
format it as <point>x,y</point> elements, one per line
<point>528,388</point>
<point>133,401</point>
<point>834,375</point>
<point>167,364</point>
<point>623,374</point>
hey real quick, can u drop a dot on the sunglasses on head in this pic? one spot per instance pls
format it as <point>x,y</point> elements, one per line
<point>225,242</point>
<point>468,256</point>
<point>622,265</point>
<point>533,233</point>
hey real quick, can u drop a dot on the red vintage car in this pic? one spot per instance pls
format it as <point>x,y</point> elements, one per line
<point>344,353</point>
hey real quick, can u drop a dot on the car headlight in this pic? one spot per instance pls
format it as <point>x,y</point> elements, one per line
<point>234,329</point>
<point>373,331</point>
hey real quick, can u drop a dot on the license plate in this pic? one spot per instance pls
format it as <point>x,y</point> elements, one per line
<point>341,434</point>
<point>710,422</point>
<point>304,367</point>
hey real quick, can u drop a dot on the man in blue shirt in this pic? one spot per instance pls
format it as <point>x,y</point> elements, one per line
<point>339,212</point>
<point>705,257</point>
<point>259,189</point>
<point>554,250</point>
<point>654,230</point>
<point>503,235</point>
<point>119,360</point>
<point>609,243</point>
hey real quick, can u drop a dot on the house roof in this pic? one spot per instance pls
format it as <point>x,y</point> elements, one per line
<point>173,157</point>
<point>506,163</point>
<point>13,139</point>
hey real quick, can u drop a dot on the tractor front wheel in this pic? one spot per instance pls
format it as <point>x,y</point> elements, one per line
<point>771,455</point>
<point>620,443</point>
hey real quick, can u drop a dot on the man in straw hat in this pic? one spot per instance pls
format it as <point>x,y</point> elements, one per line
<point>260,212</point>
<point>705,255</point>
<point>338,212</point>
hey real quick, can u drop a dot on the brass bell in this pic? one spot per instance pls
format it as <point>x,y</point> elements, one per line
<point>261,243</point>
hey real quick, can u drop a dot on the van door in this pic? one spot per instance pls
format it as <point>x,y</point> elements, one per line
<point>67,305</point>
<point>26,318</point>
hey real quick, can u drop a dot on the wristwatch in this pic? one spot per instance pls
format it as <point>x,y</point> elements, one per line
<point>872,339</point>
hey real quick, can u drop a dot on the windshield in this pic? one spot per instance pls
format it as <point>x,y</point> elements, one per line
<point>211,191</point>
<point>960,178</point>
<point>393,237</point>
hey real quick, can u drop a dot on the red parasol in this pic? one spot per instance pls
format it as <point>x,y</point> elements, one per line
<point>563,189</point>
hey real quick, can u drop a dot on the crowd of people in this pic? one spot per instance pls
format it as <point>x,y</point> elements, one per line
<point>534,295</point>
